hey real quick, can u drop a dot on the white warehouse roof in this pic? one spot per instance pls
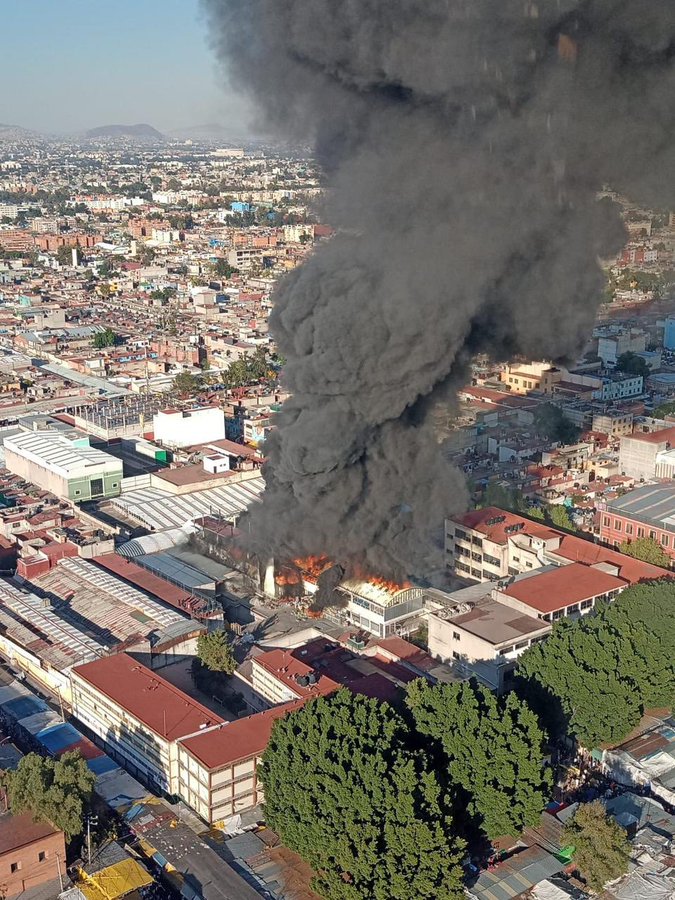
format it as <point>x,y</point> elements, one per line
<point>54,451</point>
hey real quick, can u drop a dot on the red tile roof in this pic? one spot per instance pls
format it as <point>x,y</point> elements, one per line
<point>148,697</point>
<point>234,741</point>
<point>665,435</point>
<point>478,520</point>
<point>631,570</point>
<point>20,829</point>
<point>562,587</point>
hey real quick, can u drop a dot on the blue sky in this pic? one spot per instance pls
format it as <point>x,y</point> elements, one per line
<point>67,65</point>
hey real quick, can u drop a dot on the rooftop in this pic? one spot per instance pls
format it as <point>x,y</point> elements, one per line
<point>498,525</point>
<point>651,502</point>
<point>60,454</point>
<point>665,435</point>
<point>149,698</point>
<point>629,569</point>
<point>498,623</point>
<point>231,741</point>
<point>19,829</point>
<point>563,586</point>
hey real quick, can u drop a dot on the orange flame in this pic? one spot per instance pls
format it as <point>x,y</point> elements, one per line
<point>384,584</point>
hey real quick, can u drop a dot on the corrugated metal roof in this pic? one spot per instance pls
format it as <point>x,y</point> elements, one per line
<point>160,510</point>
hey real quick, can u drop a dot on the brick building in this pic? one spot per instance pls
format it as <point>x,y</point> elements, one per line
<point>30,854</point>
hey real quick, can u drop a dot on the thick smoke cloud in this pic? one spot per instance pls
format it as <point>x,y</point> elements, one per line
<point>464,142</point>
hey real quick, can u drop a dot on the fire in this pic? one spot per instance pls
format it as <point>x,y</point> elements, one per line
<point>391,587</point>
<point>384,584</point>
<point>312,566</point>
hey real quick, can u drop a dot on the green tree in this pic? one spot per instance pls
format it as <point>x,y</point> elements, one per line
<point>502,497</point>
<point>601,846</point>
<point>599,673</point>
<point>493,749</point>
<point>648,550</point>
<point>186,384</point>
<point>560,517</point>
<point>665,409</point>
<point>552,424</point>
<point>106,338</point>
<point>64,255</point>
<point>57,791</point>
<point>215,652</point>
<point>632,364</point>
<point>346,792</point>
<point>106,269</point>
<point>223,269</point>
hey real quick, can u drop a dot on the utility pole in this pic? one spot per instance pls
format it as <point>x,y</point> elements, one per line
<point>58,866</point>
<point>91,820</point>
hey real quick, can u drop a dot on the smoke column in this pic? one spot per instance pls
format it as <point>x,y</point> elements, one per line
<point>464,142</point>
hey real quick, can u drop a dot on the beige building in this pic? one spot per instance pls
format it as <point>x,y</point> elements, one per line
<point>524,378</point>
<point>639,453</point>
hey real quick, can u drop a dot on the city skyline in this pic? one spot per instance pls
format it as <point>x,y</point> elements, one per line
<point>136,63</point>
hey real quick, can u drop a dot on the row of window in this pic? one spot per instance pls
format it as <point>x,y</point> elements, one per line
<point>641,532</point>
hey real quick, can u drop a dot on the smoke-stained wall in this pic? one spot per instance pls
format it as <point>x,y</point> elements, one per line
<point>464,142</point>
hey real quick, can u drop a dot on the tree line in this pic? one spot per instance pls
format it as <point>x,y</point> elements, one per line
<point>384,801</point>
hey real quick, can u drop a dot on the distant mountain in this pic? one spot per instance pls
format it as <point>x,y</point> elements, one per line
<point>140,132</point>
<point>16,133</point>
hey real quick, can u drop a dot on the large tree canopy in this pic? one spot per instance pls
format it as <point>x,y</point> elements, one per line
<point>601,847</point>
<point>605,670</point>
<point>493,750</point>
<point>57,791</point>
<point>346,792</point>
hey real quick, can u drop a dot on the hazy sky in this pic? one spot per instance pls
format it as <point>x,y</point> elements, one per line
<point>67,65</point>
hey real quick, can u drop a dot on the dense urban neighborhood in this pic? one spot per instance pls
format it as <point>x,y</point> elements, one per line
<point>501,727</point>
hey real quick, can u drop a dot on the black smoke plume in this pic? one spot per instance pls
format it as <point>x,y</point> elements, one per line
<point>464,142</point>
<point>327,594</point>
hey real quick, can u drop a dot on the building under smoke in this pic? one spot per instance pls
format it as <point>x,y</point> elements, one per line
<point>464,142</point>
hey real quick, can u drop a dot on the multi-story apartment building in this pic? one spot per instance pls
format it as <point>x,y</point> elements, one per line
<point>494,545</point>
<point>138,716</point>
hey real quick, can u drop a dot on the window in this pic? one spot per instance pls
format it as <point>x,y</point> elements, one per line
<point>586,604</point>
<point>558,614</point>
<point>15,867</point>
<point>455,635</point>
<point>606,521</point>
<point>665,541</point>
<point>491,560</point>
<point>652,535</point>
<point>460,535</point>
<point>455,655</point>
<point>617,524</point>
<point>42,856</point>
<point>77,493</point>
<point>114,484</point>
<point>629,528</point>
<point>641,532</point>
<point>521,645</point>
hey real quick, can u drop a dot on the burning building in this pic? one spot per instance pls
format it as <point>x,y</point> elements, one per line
<point>380,607</point>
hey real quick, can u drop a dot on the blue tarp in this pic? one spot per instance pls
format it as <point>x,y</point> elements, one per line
<point>58,737</point>
<point>22,707</point>
<point>102,764</point>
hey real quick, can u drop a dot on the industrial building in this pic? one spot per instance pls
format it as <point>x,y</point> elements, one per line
<point>67,468</point>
